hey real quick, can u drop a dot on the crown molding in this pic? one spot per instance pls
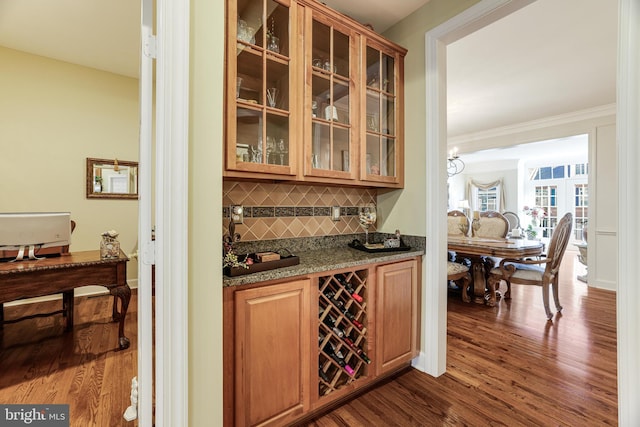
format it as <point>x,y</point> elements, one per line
<point>589,114</point>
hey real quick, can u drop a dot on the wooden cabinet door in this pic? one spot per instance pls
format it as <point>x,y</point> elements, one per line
<point>396,314</point>
<point>331,117</point>
<point>262,87</point>
<point>272,353</point>
<point>382,150</point>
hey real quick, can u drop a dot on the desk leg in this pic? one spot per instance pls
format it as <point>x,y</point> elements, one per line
<point>67,309</point>
<point>122,293</point>
<point>1,317</point>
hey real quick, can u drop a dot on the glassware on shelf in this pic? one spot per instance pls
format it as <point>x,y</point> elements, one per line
<point>272,96</point>
<point>274,44</point>
<point>367,216</point>
<point>238,86</point>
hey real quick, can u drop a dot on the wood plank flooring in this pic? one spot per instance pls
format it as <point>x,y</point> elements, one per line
<point>41,364</point>
<point>507,366</point>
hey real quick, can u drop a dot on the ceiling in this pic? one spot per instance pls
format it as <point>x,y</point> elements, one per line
<point>549,58</point>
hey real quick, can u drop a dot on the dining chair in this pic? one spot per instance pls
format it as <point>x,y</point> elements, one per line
<point>491,224</point>
<point>513,219</point>
<point>539,272</point>
<point>459,274</point>
<point>458,223</point>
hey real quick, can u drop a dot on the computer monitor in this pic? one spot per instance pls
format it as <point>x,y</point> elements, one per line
<point>32,231</point>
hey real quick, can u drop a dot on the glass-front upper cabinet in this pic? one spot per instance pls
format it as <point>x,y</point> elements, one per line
<point>381,153</point>
<point>260,93</point>
<point>330,102</point>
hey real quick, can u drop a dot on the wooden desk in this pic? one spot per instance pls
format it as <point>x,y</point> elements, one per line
<point>28,279</point>
<point>478,249</point>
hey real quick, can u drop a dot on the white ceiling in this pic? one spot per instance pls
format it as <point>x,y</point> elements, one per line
<point>549,58</point>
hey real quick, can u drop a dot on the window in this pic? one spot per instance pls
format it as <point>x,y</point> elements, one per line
<point>546,197</point>
<point>487,200</point>
<point>550,172</point>
<point>581,209</point>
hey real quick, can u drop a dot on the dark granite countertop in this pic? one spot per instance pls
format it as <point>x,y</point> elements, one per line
<point>316,260</point>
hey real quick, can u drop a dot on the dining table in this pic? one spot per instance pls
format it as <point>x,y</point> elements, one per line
<point>483,253</point>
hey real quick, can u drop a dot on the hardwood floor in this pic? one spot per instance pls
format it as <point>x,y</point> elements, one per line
<point>508,366</point>
<point>41,364</point>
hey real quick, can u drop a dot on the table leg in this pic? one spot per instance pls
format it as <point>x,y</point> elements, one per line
<point>122,293</point>
<point>1,316</point>
<point>479,283</point>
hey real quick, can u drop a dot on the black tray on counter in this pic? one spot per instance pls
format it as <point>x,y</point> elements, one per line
<point>356,244</point>
<point>261,266</point>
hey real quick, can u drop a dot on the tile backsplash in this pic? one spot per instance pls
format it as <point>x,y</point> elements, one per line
<point>280,210</point>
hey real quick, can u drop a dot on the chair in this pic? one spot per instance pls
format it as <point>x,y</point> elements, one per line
<point>526,272</point>
<point>491,224</point>
<point>513,219</point>
<point>457,224</point>
<point>459,272</point>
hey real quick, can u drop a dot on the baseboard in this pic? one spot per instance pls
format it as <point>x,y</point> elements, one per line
<point>420,362</point>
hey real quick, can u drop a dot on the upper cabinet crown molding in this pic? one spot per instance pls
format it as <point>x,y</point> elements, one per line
<point>311,96</point>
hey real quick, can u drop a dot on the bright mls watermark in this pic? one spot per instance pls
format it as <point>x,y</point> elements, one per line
<point>34,415</point>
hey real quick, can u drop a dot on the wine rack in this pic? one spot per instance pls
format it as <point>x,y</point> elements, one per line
<point>342,330</point>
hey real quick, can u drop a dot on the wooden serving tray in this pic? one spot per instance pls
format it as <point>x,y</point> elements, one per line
<point>261,266</point>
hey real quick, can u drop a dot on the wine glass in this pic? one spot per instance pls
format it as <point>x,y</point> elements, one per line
<point>367,216</point>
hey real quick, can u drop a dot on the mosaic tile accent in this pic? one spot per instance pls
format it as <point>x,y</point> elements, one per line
<point>280,210</point>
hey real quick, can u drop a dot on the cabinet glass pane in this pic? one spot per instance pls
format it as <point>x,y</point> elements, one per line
<point>277,35</point>
<point>373,111</point>
<point>340,54</point>
<point>373,155</point>
<point>277,85</point>
<point>277,146</point>
<point>373,68</point>
<point>321,146</point>
<point>321,53</point>
<point>388,115</point>
<point>381,156</point>
<point>249,135</point>
<point>341,150</point>
<point>388,162</point>
<point>388,73</point>
<point>341,103</point>
<point>249,80</point>
<point>250,29</point>
<point>319,95</point>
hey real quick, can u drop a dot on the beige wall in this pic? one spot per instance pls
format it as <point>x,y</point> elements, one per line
<point>205,214</point>
<point>398,208</point>
<point>53,116</point>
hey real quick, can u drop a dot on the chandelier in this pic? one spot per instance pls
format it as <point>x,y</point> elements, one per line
<point>455,165</point>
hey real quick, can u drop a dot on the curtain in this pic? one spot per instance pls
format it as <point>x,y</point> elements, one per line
<point>472,193</point>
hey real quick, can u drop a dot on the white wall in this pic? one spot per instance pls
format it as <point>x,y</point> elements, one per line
<point>599,125</point>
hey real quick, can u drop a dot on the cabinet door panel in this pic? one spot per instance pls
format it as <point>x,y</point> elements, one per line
<point>396,314</point>
<point>272,353</point>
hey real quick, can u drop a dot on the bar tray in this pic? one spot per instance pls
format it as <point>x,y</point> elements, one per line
<point>356,244</point>
<point>261,266</point>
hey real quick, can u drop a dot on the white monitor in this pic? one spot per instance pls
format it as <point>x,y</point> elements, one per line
<point>34,230</point>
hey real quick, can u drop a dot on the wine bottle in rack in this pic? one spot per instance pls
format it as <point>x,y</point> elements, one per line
<point>331,295</point>
<point>323,375</point>
<point>347,286</point>
<point>357,349</point>
<point>330,321</point>
<point>338,357</point>
<point>338,331</point>
<point>349,315</point>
